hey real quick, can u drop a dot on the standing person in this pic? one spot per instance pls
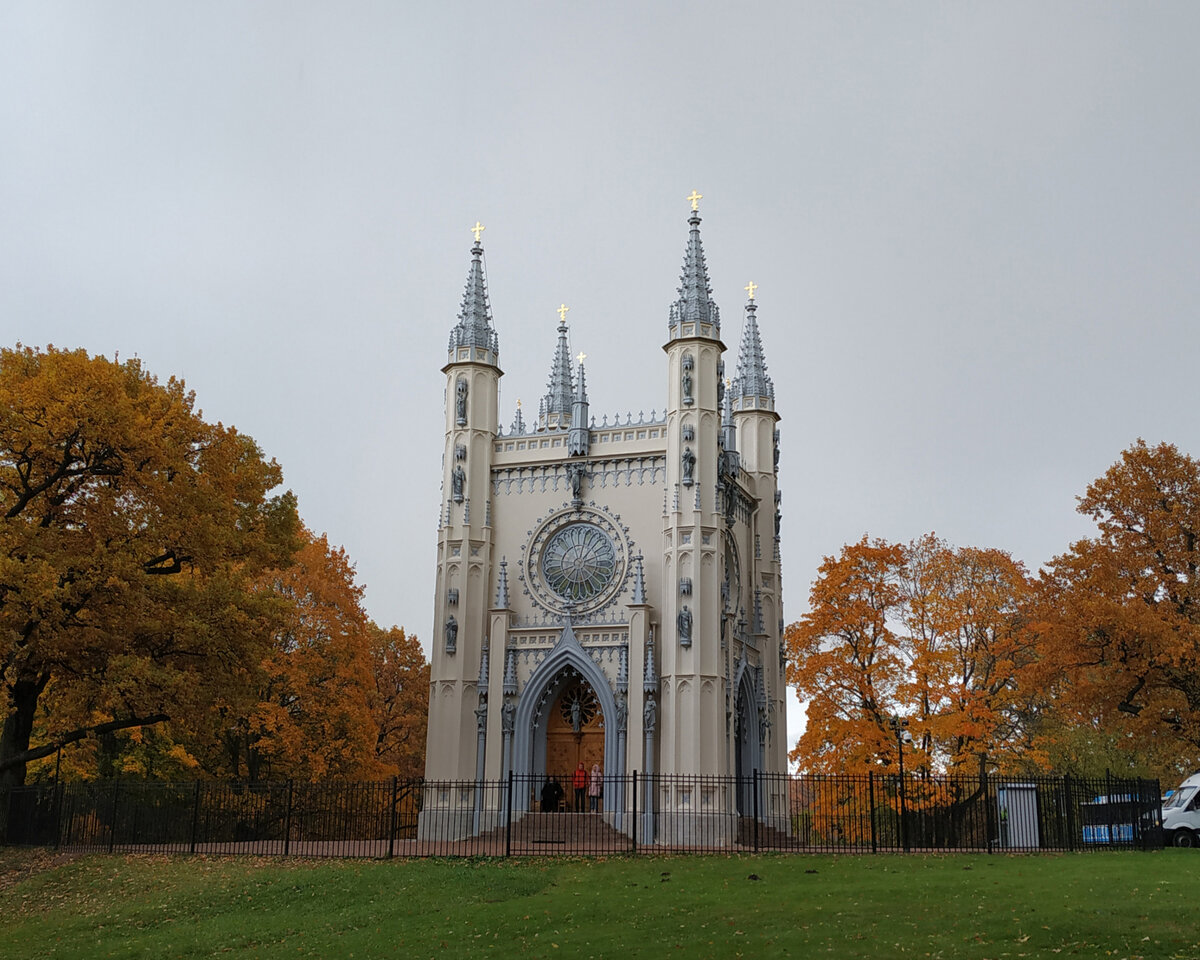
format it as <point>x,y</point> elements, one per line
<point>595,788</point>
<point>551,795</point>
<point>579,780</point>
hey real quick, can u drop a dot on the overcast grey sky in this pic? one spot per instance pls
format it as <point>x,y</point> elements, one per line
<point>975,229</point>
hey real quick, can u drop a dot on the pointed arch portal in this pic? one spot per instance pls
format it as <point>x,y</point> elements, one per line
<point>545,735</point>
<point>747,745</point>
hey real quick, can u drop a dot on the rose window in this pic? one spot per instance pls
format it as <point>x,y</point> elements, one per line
<point>579,562</point>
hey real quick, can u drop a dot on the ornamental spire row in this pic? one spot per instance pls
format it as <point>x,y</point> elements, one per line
<point>695,303</point>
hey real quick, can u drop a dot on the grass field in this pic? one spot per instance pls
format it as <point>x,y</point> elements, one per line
<point>1094,905</point>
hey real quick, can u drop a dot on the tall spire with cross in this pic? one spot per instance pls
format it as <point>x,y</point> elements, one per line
<point>695,303</point>
<point>752,379</point>
<point>474,328</point>
<point>560,392</point>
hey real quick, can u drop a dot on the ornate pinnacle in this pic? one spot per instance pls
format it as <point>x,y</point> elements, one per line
<point>502,586</point>
<point>639,581</point>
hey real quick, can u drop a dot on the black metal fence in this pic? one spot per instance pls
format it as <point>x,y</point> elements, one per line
<point>638,813</point>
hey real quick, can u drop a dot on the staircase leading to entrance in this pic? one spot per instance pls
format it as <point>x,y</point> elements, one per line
<point>551,833</point>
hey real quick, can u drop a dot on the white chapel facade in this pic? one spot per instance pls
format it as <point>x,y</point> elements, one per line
<point>610,593</point>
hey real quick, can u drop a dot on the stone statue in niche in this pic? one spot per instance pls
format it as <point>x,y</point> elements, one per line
<point>689,465</point>
<point>458,480</point>
<point>576,716</point>
<point>684,621</point>
<point>576,472</point>
<point>481,717</point>
<point>650,715</point>
<point>460,451</point>
<point>778,513</point>
<point>721,385</point>
<point>776,454</point>
<point>622,711</point>
<point>508,717</point>
<point>460,401</point>
<point>451,634</point>
<point>687,378</point>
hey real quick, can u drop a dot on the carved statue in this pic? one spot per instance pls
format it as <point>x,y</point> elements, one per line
<point>481,717</point>
<point>576,472</point>
<point>622,711</point>
<point>458,480</point>
<point>460,401</point>
<point>451,634</point>
<point>778,520</point>
<point>684,620</point>
<point>689,464</point>
<point>576,716</point>
<point>776,451</point>
<point>687,385</point>
<point>508,717</point>
<point>650,715</point>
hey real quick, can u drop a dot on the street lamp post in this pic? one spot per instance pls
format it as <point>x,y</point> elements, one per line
<point>899,727</point>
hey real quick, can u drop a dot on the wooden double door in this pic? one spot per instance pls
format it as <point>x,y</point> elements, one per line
<point>574,735</point>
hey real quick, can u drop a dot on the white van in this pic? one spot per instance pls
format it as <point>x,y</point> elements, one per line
<point>1181,814</point>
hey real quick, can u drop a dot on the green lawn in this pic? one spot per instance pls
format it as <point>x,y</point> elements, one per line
<point>1080,905</point>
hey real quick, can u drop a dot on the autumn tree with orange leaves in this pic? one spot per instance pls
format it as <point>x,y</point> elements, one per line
<point>1121,609</point>
<point>130,530</point>
<point>927,632</point>
<point>401,701</point>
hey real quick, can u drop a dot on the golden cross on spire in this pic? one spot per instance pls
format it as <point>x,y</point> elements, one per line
<point>750,288</point>
<point>582,356</point>
<point>562,312</point>
<point>477,230</point>
<point>518,403</point>
<point>695,199</point>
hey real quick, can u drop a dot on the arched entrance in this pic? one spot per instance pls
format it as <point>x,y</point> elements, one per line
<point>746,745</point>
<point>574,731</point>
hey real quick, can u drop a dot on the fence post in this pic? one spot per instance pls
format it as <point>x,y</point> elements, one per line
<point>392,823</point>
<point>903,816</point>
<point>112,827</point>
<point>1108,806</point>
<point>195,816</point>
<point>871,798</point>
<point>508,818</point>
<point>287,821</point>
<point>755,809</point>
<point>634,825</point>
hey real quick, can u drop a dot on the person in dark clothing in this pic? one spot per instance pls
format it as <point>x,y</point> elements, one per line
<point>552,794</point>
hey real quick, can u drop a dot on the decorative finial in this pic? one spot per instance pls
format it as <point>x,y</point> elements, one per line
<point>477,230</point>
<point>518,403</point>
<point>562,312</point>
<point>695,199</point>
<point>750,288</point>
<point>582,356</point>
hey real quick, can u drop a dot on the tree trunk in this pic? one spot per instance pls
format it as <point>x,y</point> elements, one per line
<point>18,727</point>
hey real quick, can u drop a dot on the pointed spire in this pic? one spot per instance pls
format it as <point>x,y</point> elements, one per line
<point>695,303</point>
<point>483,674</point>
<point>560,392</point>
<point>579,439</point>
<point>510,673</point>
<point>518,424</point>
<point>474,328</point>
<point>639,581</point>
<point>502,586</point>
<point>650,674</point>
<point>752,379</point>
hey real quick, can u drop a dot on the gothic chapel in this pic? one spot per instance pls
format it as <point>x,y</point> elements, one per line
<point>609,592</point>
